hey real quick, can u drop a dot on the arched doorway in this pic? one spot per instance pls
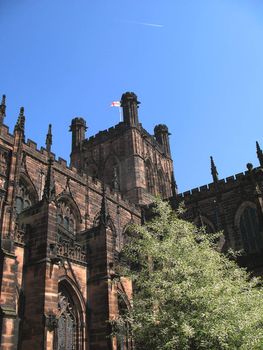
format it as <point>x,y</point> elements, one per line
<point>69,334</point>
<point>124,340</point>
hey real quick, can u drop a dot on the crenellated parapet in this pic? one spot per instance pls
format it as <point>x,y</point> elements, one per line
<point>106,134</point>
<point>222,185</point>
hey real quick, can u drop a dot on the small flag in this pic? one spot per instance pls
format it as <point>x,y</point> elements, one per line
<point>115,104</point>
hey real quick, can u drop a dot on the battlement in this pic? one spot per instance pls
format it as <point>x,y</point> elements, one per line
<point>212,188</point>
<point>6,135</point>
<point>113,131</point>
<point>106,134</point>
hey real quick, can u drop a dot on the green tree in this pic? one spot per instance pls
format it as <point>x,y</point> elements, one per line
<point>187,295</point>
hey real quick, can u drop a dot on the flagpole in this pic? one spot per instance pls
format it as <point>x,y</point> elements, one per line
<point>120,114</point>
<point>117,104</point>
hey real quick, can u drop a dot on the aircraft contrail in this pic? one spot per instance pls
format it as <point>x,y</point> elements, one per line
<point>156,25</point>
<point>151,24</point>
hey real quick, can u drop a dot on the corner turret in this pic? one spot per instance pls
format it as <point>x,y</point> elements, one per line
<point>130,105</point>
<point>161,134</point>
<point>78,128</point>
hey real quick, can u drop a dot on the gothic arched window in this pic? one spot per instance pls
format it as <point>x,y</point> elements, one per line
<point>250,230</point>
<point>65,217</point>
<point>24,197</point>
<point>149,177</point>
<point>162,186</point>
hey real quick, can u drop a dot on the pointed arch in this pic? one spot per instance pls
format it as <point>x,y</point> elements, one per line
<point>70,332</point>
<point>30,185</point>
<point>124,341</point>
<point>72,284</point>
<point>203,221</point>
<point>69,215</point>
<point>67,197</point>
<point>240,209</point>
<point>26,193</point>
<point>249,228</point>
<point>112,155</point>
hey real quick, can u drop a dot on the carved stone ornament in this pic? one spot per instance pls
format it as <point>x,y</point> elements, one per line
<point>2,183</point>
<point>51,322</point>
<point>4,161</point>
<point>66,325</point>
<point>70,249</point>
<point>65,217</point>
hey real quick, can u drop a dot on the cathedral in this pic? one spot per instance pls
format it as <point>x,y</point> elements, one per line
<point>63,226</point>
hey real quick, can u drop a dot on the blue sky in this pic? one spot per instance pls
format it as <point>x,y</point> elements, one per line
<point>199,70</point>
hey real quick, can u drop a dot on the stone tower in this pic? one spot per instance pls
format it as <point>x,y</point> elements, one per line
<point>127,157</point>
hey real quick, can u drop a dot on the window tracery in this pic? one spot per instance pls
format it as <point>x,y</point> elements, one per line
<point>24,197</point>
<point>4,162</point>
<point>65,325</point>
<point>70,326</point>
<point>149,177</point>
<point>65,217</point>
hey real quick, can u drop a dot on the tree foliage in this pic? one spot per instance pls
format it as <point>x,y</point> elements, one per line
<point>187,295</point>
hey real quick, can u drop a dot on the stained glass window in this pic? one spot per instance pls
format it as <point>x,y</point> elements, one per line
<point>250,230</point>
